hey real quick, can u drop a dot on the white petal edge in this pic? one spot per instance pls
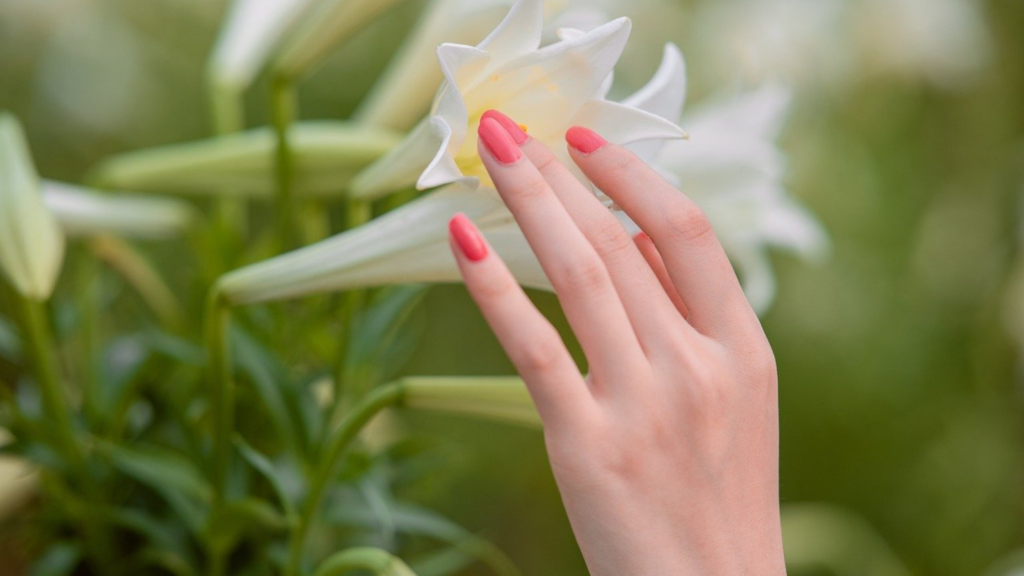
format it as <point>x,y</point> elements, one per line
<point>331,264</point>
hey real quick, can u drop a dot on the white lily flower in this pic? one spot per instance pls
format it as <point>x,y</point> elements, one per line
<point>547,89</point>
<point>84,212</point>
<point>31,242</point>
<point>733,169</point>
<point>550,89</point>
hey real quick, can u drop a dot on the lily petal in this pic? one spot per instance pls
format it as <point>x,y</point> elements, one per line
<point>665,93</point>
<point>333,263</point>
<point>553,82</point>
<point>518,34</point>
<point>421,157</point>
<point>624,125</point>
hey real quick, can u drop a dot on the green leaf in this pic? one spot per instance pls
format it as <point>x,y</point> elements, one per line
<point>10,342</point>
<point>169,474</point>
<point>239,517</point>
<point>59,559</point>
<point>268,379</point>
<point>414,520</point>
<point>327,154</point>
<point>266,468</point>
<point>387,333</point>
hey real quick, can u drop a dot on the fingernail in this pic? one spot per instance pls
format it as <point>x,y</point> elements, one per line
<point>467,237</point>
<point>585,140</point>
<point>498,141</point>
<point>641,236</point>
<point>514,130</point>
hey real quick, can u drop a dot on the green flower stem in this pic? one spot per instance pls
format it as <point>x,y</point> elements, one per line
<point>222,405</point>
<point>88,302</point>
<point>229,215</point>
<point>39,346</point>
<point>377,400</point>
<point>373,560</point>
<point>357,213</point>
<point>283,110</point>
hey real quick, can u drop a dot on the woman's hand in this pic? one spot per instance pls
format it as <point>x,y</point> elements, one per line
<point>666,454</point>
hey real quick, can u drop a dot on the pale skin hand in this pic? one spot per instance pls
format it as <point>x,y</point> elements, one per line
<point>666,454</point>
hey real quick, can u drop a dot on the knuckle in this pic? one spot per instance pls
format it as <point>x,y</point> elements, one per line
<point>610,240</point>
<point>622,165</point>
<point>582,275</point>
<point>540,354</point>
<point>688,223</point>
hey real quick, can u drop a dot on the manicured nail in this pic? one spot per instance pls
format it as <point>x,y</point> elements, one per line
<point>514,130</point>
<point>585,140</point>
<point>467,237</point>
<point>498,142</point>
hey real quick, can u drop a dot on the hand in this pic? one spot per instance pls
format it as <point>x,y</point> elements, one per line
<point>666,454</point>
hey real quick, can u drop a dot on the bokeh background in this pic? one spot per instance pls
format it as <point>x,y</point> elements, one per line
<point>899,354</point>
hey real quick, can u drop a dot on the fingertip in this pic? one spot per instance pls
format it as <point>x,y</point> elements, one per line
<point>584,140</point>
<point>467,237</point>
<point>515,130</point>
<point>496,140</point>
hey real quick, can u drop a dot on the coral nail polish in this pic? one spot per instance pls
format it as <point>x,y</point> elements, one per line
<point>498,141</point>
<point>585,140</point>
<point>467,237</point>
<point>514,130</point>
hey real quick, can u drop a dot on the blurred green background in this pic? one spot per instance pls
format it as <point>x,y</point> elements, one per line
<point>899,356</point>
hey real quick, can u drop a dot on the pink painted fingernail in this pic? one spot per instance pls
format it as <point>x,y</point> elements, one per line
<point>514,130</point>
<point>585,140</point>
<point>498,142</point>
<point>467,237</point>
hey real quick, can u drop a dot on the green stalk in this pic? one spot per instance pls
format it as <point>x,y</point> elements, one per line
<point>222,404</point>
<point>357,213</point>
<point>39,346</point>
<point>229,217</point>
<point>368,407</point>
<point>283,110</point>
<point>373,560</point>
<point>88,301</point>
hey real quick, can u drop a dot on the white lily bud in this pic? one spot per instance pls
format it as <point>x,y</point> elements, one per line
<point>326,153</point>
<point>503,398</point>
<point>85,212</point>
<point>321,29</point>
<point>251,31</point>
<point>31,242</point>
